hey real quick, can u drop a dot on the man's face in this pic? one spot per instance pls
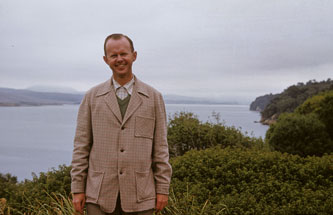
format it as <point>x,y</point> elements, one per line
<point>120,57</point>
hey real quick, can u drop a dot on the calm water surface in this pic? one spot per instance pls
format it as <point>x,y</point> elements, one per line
<point>35,139</point>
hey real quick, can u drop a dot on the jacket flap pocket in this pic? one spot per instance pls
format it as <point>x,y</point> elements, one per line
<point>94,182</point>
<point>144,127</point>
<point>145,186</point>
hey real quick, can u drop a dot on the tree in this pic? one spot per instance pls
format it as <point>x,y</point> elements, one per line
<point>299,134</point>
<point>322,105</point>
<point>187,132</point>
<point>293,96</point>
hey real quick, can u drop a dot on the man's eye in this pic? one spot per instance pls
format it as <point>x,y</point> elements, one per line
<point>113,56</point>
<point>123,54</point>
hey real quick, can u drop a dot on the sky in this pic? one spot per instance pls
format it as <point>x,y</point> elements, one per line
<point>222,49</point>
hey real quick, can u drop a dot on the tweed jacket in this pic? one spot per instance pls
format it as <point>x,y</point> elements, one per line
<point>128,156</point>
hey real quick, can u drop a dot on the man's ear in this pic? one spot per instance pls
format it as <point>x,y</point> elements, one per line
<point>105,59</point>
<point>134,55</point>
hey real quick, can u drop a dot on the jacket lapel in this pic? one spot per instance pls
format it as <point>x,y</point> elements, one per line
<point>139,91</point>
<point>107,91</point>
<point>112,102</point>
<point>109,94</point>
<point>134,103</point>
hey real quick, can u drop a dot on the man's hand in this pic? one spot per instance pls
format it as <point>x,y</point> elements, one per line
<point>79,200</point>
<point>161,202</point>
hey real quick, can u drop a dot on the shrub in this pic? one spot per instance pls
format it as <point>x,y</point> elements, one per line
<point>299,134</point>
<point>322,105</point>
<point>212,181</point>
<point>187,132</point>
<point>30,193</point>
<point>243,181</point>
<point>8,185</point>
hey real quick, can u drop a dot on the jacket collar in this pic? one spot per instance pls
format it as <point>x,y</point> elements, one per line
<point>107,87</point>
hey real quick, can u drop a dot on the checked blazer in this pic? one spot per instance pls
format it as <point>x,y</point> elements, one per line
<point>128,156</point>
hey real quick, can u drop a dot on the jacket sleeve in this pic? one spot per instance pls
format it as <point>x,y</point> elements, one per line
<point>161,167</point>
<point>82,144</point>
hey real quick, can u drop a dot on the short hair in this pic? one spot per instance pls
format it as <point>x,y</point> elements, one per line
<point>118,37</point>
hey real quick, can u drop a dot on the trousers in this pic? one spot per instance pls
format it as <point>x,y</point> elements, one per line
<point>94,209</point>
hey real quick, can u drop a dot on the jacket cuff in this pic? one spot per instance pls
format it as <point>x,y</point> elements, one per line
<point>77,188</point>
<point>162,189</point>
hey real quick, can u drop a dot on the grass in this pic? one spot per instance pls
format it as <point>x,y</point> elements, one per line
<point>179,204</point>
<point>60,205</point>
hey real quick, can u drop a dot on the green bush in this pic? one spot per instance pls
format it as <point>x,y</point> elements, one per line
<point>187,132</point>
<point>322,105</point>
<point>299,134</point>
<point>224,172</point>
<point>8,185</point>
<point>242,181</point>
<point>31,193</point>
<point>307,131</point>
<point>213,181</point>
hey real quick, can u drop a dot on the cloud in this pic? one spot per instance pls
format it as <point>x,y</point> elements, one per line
<point>214,48</point>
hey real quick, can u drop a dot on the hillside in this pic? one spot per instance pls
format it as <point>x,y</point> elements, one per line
<point>20,97</point>
<point>261,102</point>
<point>289,99</point>
<point>15,97</point>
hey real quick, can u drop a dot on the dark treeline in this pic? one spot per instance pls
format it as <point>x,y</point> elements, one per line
<point>271,106</point>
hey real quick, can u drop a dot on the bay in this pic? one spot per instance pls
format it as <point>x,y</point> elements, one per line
<point>35,139</point>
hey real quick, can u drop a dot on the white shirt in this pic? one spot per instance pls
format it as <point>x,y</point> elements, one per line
<point>123,91</point>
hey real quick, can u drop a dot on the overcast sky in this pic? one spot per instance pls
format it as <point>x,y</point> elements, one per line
<point>209,48</point>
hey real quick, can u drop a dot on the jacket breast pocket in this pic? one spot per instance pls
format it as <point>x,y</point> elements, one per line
<point>144,127</point>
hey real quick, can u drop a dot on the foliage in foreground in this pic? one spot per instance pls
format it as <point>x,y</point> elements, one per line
<point>307,131</point>
<point>187,132</point>
<point>212,181</point>
<point>299,134</point>
<point>234,176</point>
<point>58,204</point>
<point>255,182</point>
<point>31,194</point>
<point>322,106</point>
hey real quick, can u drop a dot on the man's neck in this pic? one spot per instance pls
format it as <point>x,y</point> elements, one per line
<point>123,80</point>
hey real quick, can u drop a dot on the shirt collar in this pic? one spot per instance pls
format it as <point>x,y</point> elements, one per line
<point>128,86</point>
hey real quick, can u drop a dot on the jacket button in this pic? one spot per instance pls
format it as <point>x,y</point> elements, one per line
<point>121,150</point>
<point>120,172</point>
<point>122,128</point>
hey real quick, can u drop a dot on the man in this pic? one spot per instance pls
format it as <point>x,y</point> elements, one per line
<point>120,157</point>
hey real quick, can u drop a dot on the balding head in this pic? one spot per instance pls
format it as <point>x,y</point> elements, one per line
<point>118,37</point>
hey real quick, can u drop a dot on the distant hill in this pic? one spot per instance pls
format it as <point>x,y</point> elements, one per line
<point>20,97</point>
<point>290,98</point>
<point>15,97</point>
<point>53,89</point>
<point>261,102</point>
<point>177,99</point>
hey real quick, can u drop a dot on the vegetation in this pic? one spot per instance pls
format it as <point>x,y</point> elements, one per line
<point>57,205</point>
<point>299,134</point>
<point>187,132</point>
<point>248,181</point>
<point>307,131</point>
<point>292,97</point>
<point>217,181</point>
<point>38,193</point>
<point>7,185</point>
<point>216,170</point>
<point>322,105</point>
<point>261,102</point>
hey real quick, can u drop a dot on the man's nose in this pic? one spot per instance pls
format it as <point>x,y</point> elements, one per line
<point>119,58</point>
